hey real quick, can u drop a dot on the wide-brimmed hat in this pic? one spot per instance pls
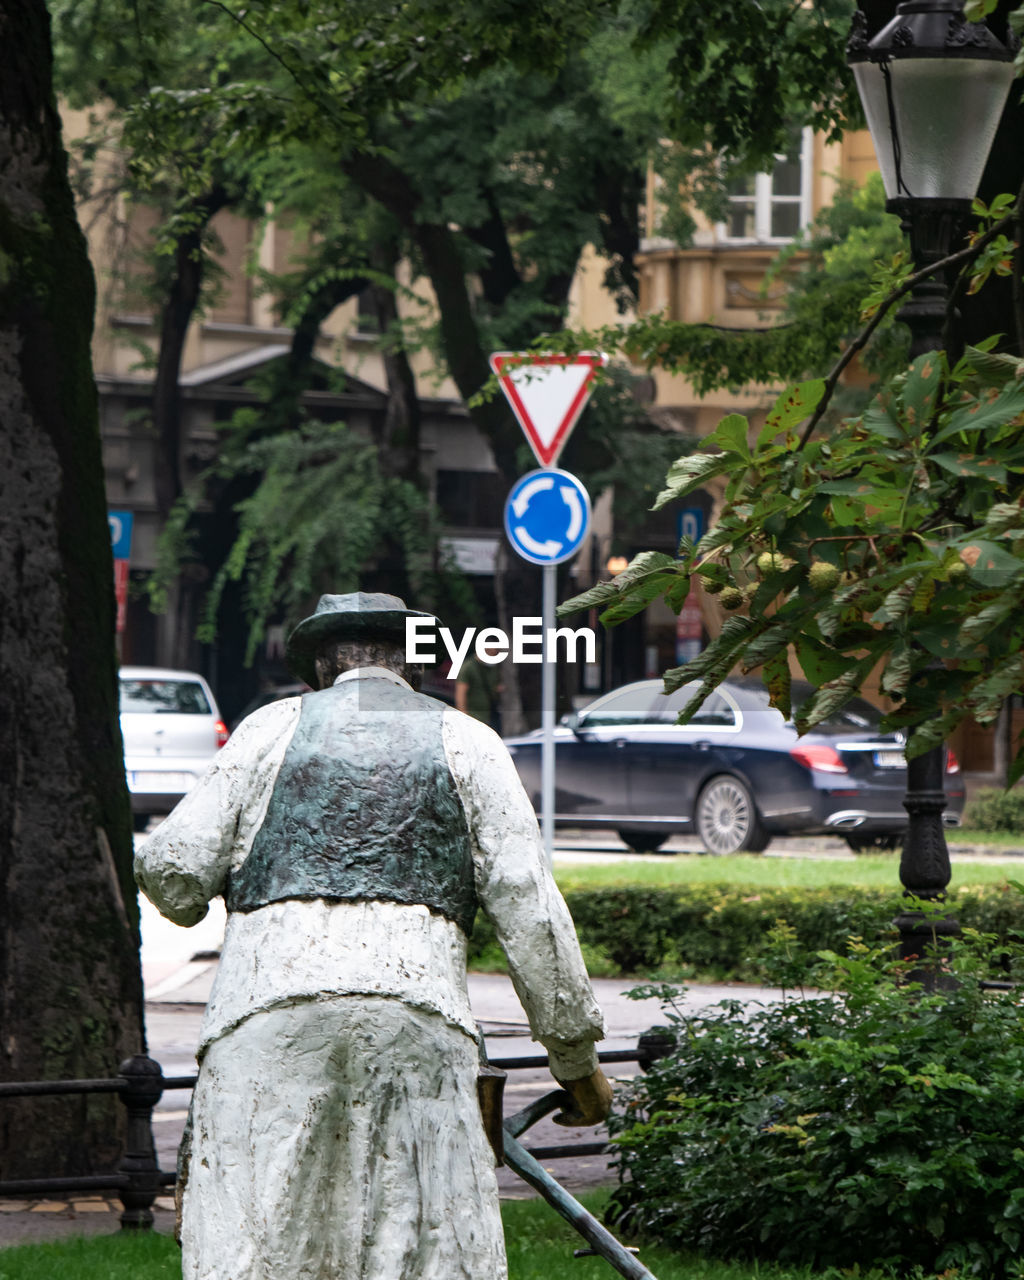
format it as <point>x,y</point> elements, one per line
<point>360,615</point>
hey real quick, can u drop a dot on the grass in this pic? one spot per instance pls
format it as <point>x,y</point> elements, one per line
<point>1000,839</point>
<point>540,1247</point>
<point>146,1256</point>
<point>754,871</point>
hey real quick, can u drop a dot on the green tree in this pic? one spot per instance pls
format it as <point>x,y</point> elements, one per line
<point>71,997</point>
<point>489,173</point>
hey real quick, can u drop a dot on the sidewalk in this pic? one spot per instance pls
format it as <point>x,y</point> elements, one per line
<point>177,999</point>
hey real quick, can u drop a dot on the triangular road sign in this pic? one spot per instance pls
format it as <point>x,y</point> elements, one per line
<point>547,393</point>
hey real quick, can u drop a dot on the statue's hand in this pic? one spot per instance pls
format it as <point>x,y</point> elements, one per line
<point>593,1098</point>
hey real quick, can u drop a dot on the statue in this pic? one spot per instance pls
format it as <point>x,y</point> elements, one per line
<point>353,833</point>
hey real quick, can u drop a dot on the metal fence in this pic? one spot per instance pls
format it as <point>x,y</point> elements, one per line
<point>141,1083</point>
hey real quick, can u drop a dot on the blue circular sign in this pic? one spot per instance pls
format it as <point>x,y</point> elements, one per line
<point>547,516</point>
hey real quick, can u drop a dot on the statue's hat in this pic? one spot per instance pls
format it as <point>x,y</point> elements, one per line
<point>359,615</point>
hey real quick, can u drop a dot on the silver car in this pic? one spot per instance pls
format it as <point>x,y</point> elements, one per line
<point>172,729</point>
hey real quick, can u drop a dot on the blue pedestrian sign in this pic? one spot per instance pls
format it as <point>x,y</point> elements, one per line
<point>547,516</point>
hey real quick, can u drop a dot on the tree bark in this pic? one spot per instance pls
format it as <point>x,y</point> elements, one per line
<point>400,434</point>
<point>70,980</point>
<point>175,317</point>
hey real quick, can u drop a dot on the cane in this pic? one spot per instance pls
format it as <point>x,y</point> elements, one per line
<point>600,1239</point>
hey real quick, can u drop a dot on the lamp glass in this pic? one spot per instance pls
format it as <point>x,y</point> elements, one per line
<point>947,111</point>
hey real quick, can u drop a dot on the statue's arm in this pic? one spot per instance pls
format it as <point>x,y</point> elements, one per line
<point>184,863</point>
<point>518,893</point>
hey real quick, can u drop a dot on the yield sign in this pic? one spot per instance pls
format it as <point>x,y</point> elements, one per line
<point>547,393</point>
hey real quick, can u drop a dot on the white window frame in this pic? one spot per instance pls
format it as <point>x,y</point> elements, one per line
<point>764,200</point>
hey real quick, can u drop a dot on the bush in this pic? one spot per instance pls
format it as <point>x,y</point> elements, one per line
<point>722,932</point>
<point>993,810</point>
<point>876,1129</point>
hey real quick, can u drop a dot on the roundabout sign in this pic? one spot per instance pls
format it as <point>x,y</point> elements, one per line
<point>547,516</point>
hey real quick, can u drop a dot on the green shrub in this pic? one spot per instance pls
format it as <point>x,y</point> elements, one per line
<point>725,932</point>
<point>877,1129</point>
<point>993,810</point>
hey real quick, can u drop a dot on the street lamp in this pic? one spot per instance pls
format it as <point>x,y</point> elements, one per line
<point>933,87</point>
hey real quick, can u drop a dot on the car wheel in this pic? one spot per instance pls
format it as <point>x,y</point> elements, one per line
<point>643,841</point>
<point>727,819</point>
<point>140,821</point>
<point>874,844</point>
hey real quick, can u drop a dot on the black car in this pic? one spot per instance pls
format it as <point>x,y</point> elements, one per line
<point>737,774</point>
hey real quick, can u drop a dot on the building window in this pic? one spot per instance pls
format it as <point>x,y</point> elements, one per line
<point>367,316</point>
<point>773,206</point>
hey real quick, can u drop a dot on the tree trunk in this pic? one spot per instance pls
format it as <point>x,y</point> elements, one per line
<point>70,981</point>
<point>400,437</point>
<point>182,299</point>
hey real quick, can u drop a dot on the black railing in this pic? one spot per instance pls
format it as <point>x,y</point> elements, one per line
<point>140,1085</point>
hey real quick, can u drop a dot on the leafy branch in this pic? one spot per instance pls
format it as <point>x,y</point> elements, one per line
<point>963,256</point>
<point>895,545</point>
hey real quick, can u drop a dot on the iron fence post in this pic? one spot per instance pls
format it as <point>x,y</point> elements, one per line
<point>142,1090</point>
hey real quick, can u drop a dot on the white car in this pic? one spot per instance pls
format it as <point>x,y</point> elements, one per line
<point>172,729</point>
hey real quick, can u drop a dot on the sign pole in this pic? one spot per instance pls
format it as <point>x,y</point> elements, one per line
<point>547,701</point>
<point>547,514</point>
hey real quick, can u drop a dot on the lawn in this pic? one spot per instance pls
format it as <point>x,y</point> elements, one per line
<point>763,871</point>
<point>540,1247</point>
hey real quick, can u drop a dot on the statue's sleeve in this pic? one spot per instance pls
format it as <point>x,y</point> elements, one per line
<point>183,864</point>
<point>519,895</point>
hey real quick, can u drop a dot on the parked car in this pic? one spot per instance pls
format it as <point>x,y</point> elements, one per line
<point>737,774</point>
<point>172,729</point>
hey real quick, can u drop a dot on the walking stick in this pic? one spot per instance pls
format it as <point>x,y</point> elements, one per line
<point>600,1239</point>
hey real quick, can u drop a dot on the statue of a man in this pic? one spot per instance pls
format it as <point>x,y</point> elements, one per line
<point>353,833</point>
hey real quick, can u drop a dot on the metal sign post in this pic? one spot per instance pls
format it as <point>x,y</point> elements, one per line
<point>547,517</point>
<point>547,711</point>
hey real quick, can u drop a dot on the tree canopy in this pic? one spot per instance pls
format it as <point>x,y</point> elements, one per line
<point>488,169</point>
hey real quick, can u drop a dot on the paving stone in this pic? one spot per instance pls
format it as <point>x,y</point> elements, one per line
<point>50,1206</point>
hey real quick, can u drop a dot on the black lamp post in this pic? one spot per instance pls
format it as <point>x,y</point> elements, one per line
<point>933,87</point>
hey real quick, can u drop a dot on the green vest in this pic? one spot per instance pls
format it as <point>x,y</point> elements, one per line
<point>364,807</point>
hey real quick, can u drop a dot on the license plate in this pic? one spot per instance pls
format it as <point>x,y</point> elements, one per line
<point>890,760</point>
<point>152,780</point>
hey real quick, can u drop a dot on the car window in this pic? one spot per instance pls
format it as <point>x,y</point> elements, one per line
<point>631,706</point>
<point>183,697</point>
<point>857,714</point>
<point>716,713</point>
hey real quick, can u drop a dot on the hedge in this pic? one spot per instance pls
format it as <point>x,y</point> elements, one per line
<point>722,932</point>
<point>992,810</point>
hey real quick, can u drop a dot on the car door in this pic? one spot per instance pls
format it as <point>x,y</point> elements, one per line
<point>669,762</point>
<point>593,759</point>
